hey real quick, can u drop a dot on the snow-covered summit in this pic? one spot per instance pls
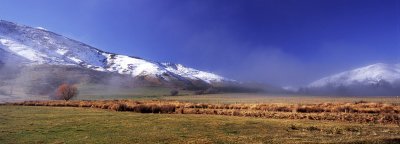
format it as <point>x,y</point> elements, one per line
<point>372,74</point>
<point>36,46</point>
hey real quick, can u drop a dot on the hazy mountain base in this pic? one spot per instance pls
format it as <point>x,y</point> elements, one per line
<point>382,88</point>
<point>38,82</point>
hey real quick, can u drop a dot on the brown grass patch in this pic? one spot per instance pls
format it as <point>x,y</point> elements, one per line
<point>362,112</point>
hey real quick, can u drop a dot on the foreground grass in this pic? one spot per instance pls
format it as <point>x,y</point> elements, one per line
<point>25,124</point>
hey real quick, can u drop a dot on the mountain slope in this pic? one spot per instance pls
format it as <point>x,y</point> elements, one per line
<point>36,46</point>
<point>372,74</point>
<point>376,79</point>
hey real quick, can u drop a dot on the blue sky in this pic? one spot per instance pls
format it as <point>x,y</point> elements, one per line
<point>283,42</point>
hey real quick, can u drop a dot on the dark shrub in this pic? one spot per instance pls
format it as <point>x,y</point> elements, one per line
<point>168,108</point>
<point>155,108</point>
<point>174,92</point>
<point>142,108</point>
<point>119,107</point>
<point>360,102</point>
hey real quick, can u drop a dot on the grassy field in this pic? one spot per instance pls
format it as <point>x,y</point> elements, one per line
<point>25,124</point>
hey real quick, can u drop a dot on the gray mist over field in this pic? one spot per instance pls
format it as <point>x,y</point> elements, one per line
<point>10,81</point>
<point>275,65</point>
<point>260,64</point>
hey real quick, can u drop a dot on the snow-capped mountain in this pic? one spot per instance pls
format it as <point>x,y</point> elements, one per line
<point>37,46</point>
<point>377,79</point>
<point>369,75</point>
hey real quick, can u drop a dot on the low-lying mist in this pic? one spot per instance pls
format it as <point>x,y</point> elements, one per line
<point>20,82</point>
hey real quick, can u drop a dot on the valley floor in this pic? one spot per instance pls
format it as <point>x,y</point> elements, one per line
<point>26,124</point>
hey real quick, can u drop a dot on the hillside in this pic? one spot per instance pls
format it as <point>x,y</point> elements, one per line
<point>28,46</point>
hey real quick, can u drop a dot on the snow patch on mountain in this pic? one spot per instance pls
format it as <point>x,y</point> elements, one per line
<point>133,66</point>
<point>193,73</point>
<point>22,50</point>
<point>41,28</point>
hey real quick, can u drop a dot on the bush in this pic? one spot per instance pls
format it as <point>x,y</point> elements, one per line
<point>360,102</point>
<point>168,108</point>
<point>143,108</point>
<point>66,92</point>
<point>118,107</point>
<point>174,92</point>
<point>154,108</point>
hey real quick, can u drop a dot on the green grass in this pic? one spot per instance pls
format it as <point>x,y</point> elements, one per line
<point>23,124</point>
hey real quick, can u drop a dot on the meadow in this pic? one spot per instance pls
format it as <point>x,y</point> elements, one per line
<point>28,124</point>
<point>150,115</point>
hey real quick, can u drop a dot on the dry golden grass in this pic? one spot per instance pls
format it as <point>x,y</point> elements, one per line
<point>259,98</point>
<point>362,112</point>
